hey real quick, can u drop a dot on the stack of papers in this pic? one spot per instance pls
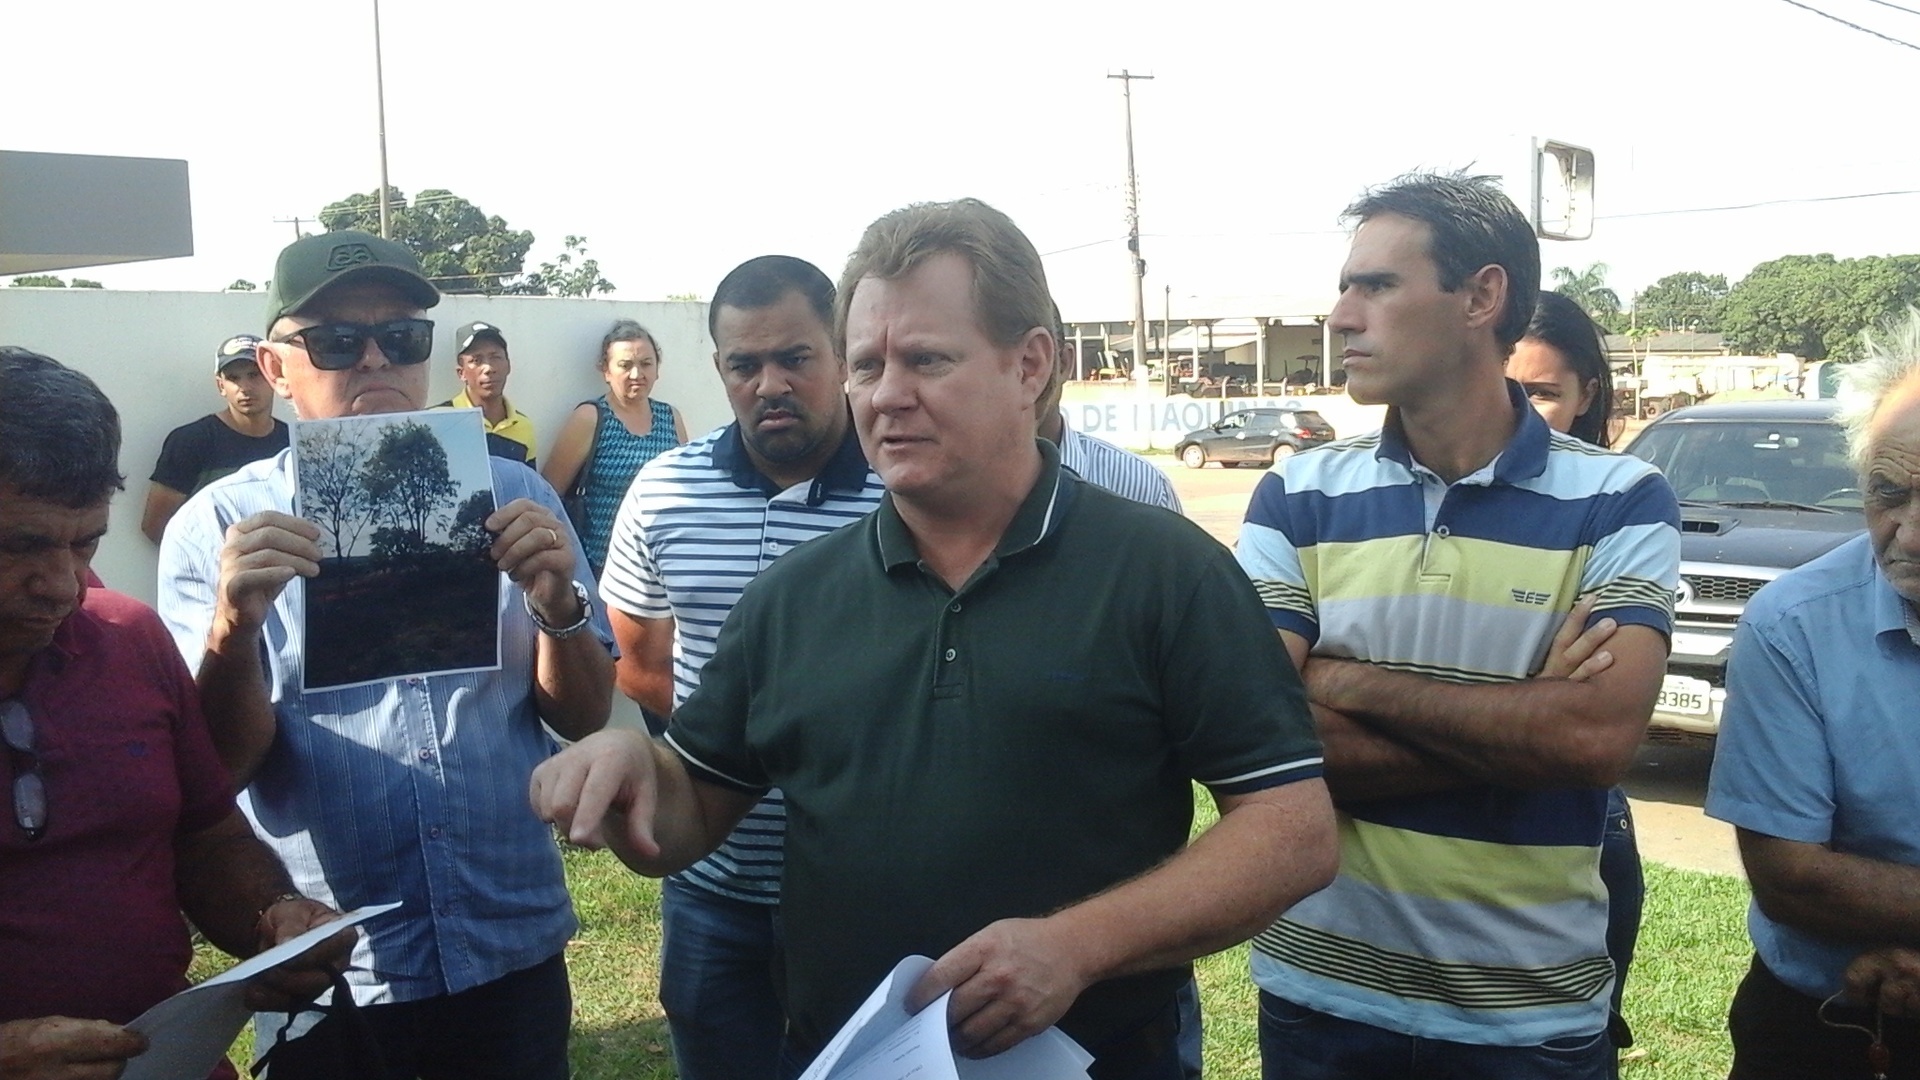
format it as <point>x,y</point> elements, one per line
<point>883,1042</point>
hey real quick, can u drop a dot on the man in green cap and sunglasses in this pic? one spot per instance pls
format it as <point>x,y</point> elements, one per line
<point>412,789</point>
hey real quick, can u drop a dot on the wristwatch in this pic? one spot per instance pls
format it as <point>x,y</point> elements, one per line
<point>561,632</point>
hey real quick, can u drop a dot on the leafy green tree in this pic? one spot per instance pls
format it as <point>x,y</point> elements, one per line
<point>469,531</point>
<point>1688,300</point>
<point>1588,288</point>
<point>687,297</point>
<point>331,494</point>
<point>86,283</point>
<point>37,281</point>
<point>461,248</point>
<point>242,285</point>
<point>563,276</point>
<point>407,476</point>
<point>1815,306</point>
<point>389,543</point>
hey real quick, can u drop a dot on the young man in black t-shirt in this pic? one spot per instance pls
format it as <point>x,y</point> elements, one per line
<point>199,453</point>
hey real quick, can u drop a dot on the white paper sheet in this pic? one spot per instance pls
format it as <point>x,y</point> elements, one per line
<point>881,1041</point>
<point>405,588</point>
<point>188,1032</point>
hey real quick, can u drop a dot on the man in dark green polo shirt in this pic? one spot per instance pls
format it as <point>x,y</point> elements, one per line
<point>985,702</point>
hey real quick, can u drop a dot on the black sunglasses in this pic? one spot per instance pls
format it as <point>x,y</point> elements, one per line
<point>339,346</point>
<point>29,790</point>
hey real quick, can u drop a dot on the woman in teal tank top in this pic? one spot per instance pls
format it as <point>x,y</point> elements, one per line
<point>611,437</point>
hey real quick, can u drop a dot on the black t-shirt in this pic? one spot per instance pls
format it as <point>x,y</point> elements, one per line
<point>199,453</point>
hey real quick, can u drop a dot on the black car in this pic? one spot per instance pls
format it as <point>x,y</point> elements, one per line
<point>1764,486</point>
<point>1259,436</point>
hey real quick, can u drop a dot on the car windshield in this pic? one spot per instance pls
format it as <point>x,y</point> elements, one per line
<point>1753,463</point>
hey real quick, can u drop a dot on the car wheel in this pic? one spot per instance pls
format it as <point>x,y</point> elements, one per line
<point>1281,452</point>
<point>1194,456</point>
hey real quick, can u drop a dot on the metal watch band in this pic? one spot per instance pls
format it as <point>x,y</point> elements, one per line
<point>562,632</point>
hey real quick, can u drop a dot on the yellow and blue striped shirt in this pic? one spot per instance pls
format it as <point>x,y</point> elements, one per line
<point>1476,915</point>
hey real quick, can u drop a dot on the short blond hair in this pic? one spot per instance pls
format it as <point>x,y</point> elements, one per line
<point>1010,297</point>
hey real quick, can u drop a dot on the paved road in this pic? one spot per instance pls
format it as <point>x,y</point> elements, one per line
<point>1668,782</point>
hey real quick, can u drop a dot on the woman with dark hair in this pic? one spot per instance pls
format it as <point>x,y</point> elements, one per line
<point>1561,363</point>
<point>605,441</point>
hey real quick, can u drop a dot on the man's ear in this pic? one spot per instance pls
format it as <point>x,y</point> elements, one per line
<point>1036,361</point>
<point>273,367</point>
<point>1485,291</point>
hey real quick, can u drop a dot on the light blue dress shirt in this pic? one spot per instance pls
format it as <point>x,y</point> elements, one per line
<point>1820,742</point>
<point>412,790</point>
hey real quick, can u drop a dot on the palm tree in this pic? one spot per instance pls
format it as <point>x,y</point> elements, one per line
<point>1588,288</point>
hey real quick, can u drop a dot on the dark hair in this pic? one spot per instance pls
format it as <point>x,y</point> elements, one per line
<point>59,435</point>
<point>765,281</point>
<point>627,330</point>
<point>1562,324</point>
<point>1473,225</point>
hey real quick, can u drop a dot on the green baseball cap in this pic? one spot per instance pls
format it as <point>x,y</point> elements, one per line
<point>312,264</point>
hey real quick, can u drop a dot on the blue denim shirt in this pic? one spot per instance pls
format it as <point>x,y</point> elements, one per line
<point>413,789</point>
<point>1818,743</point>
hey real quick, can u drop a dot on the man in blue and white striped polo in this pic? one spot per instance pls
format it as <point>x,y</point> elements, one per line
<point>698,524</point>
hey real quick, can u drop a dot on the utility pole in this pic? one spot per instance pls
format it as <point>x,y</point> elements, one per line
<point>380,96</point>
<point>296,222</point>
<point>1133,227</point>
<point>1166,342</point>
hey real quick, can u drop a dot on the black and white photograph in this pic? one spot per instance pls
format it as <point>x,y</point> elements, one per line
<point>405,585</point>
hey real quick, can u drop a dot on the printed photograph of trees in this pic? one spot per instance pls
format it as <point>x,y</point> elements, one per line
<point>405,585</point>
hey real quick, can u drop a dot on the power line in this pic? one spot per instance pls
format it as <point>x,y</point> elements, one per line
<point>1896,7</point>
<point>1678,211</point>
<point>1088,244</point>
<point>1853,25</point>
<point>1197,236</point>
<point>1764,203</point>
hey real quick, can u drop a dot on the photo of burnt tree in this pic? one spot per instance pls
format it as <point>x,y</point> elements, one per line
<point>405,584</point>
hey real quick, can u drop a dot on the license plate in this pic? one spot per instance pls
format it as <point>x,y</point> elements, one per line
<point>1680,694</point>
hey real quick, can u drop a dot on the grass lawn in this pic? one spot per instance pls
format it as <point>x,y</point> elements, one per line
<point>1693,950</point>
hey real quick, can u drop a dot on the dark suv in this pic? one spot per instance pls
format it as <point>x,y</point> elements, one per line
<point>1259,436</point>
<point>1764,486</point>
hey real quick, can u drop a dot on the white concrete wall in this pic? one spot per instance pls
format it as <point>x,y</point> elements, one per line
<point>152,353</point>
<point>1151,421</point>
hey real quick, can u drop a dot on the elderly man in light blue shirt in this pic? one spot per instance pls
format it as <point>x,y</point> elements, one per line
<point>411,789</point>
<point>1818,767</point>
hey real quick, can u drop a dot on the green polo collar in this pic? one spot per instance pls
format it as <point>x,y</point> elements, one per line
<point>1039,516</point>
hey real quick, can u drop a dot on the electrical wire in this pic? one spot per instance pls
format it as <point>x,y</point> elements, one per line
<point>1758,205</point>
<point>1896,7</point>
<point>1853,25</point>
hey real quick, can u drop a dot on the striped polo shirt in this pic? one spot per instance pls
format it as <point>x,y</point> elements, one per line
<point>1474,915</point>
<point>698,524</point>
<point>1117,469</point>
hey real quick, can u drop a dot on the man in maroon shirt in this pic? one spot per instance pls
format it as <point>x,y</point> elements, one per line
<point>122,816</point>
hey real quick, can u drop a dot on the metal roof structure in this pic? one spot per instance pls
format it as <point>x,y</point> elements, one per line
<point>60,211</point>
